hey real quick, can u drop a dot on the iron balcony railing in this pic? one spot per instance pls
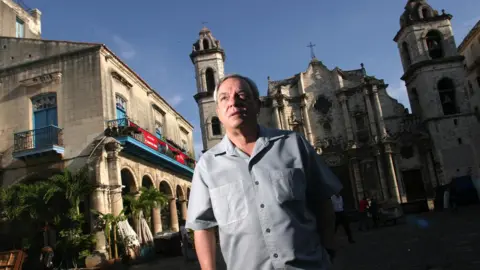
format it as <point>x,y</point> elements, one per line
<point>37,138</point>
<point>125,127</point>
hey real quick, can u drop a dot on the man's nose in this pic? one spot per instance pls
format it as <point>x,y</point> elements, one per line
<point>234,100</point>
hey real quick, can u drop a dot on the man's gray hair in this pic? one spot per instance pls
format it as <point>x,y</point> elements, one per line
<point>250,82</point>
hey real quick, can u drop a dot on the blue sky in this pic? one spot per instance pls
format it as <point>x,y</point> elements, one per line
<point>261,37</point>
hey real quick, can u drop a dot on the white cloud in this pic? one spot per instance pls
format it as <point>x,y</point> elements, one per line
<point>175,100</point>
<point>126,50</point>
<point>398,91</point>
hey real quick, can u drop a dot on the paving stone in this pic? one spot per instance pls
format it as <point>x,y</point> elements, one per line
<point>449,242</point>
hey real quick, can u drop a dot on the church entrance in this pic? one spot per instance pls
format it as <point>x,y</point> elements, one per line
<point>343,174</point>
<point>414,186</point>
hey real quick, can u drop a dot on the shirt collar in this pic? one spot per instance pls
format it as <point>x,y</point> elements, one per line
<point>265,136</point>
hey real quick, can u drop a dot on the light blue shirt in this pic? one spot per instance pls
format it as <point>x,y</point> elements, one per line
<point>264,204</point>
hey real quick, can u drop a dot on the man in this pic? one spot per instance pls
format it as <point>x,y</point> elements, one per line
<point>363,210</point>
<point>267,191</point>
<point>340,217</point>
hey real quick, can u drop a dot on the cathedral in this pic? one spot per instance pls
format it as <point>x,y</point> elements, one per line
<point>375,146</point>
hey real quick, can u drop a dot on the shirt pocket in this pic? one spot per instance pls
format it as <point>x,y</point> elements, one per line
<point>288,184</point>
<point>229,203</point>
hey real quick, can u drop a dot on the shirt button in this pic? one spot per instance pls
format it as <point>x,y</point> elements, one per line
<point>256,183</point>
<point>262,205</point>
<point>275,255</point>
<point>267,230</point>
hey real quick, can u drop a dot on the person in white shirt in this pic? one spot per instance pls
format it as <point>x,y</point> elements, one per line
<point>340,217</point>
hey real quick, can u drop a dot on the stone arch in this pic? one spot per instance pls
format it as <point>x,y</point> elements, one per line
<point>128,180</point>
<point>208,125</point>
<point>181,204</point>
<point>147,181</point>
<point>446,91</point>
<point>206,44</point>
<point>210,79</point>
<point>180,194</point>
<point>166,188</point>
<point>216,126</point>
<point>166,218</point>
<point>424,12</point>
<point>434,44</point>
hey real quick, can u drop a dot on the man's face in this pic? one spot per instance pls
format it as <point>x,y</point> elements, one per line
<point>236,104</point>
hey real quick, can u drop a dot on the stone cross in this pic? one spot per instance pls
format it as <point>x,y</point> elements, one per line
<point>312,53</point>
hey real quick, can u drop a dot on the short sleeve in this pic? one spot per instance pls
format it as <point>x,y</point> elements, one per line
<point>200,213</point>
<point>322,183</point>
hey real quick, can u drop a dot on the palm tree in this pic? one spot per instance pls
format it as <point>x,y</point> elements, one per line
<point>149,199</point>
<point>74,186</point>
<point>110,223</point>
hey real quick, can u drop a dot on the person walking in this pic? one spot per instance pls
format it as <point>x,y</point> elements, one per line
<point>340,216</point>
<point>267,190</point>
<point>363,211</point>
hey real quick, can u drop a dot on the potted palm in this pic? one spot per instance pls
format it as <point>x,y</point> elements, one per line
<point>109,224</point>
<point>149,199</point>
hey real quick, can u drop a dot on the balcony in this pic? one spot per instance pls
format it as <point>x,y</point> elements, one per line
<point>38,142</point>
<point>141,143</point>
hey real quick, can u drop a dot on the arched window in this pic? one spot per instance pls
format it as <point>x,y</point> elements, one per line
<point>406,54</point>
<point>425,13</point>
<point>216,127</point>
<point>210,79</point>
<point>446,90</point>
<point>434,44</point>
<point>206,45</point>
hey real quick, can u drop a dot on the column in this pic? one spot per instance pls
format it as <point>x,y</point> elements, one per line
<point>401,185</point>
<point>115,178</point>
<point>183,204</point>
<point>283,114</point>
<point>378,109</point>
<point>371,116</point>
<point>381,173</point>
<point>173,215</point>
<point>307,125</point>
<point>346,117</point>
<point>357,179</point>
<point>276,116</point>
<point>431,169</point>
<point>97,201</point>
<point>395,189</point>
<point>157,220</point>
<point>98,196</point>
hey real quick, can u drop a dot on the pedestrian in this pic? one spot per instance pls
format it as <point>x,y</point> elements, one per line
<point>453,197</point>
<point>363,211</point>
<point>186,242</point>
<point>373,210</point>
<point>340,216</point>
<point>267,190</point>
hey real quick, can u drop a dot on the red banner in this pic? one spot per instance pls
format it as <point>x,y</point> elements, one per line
<point>153,142</point>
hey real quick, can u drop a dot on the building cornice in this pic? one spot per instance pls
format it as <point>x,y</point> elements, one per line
<point>413,68</point>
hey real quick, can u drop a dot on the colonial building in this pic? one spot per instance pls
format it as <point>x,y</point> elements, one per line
<point>372,143</point>
<point>470,49</point>
<point>69,104</point>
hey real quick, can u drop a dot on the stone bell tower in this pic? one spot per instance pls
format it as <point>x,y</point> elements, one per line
<point>434,77</point>
<point>208,58</point>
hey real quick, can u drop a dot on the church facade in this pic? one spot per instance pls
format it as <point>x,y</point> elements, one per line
<point>369,140</point>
